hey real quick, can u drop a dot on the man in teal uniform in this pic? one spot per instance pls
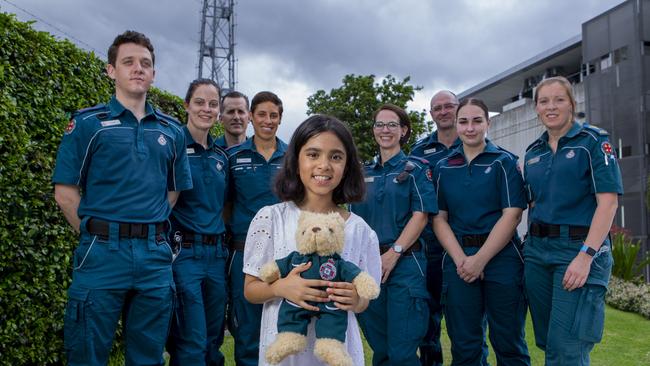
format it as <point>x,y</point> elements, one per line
<point>119,170</point>
<point>234,116</point>
<point>433,148</point>
<point>253,166</point>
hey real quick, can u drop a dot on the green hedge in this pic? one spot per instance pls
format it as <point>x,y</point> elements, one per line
<point>42,81</point>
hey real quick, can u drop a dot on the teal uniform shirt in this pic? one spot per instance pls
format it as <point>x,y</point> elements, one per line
<point>123,167</point>
<point>490,182</point>
<point>199,210</point>
<point>252,178</point>
<point>394,191</point>
<point>563,185</point>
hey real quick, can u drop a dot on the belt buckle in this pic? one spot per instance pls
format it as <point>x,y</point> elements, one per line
<point>137,230</point>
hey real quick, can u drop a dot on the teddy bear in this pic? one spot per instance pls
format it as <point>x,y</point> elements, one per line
<point>319,240</point>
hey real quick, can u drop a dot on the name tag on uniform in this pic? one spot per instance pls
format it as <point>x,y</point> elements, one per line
<point>243,160</point>
<point>429,151</point>
<point>369,179</point>
<point>190,150</point>
<point>533,161</point>
<point>113,122</point>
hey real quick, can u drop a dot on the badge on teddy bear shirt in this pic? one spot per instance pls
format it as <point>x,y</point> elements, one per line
<point>327,270</point>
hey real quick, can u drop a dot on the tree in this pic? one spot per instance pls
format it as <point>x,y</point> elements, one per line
<point>358,98</point>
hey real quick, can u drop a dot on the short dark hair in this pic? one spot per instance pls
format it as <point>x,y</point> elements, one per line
<point>473,101</point>
<point>195,84</point>
<point>266,96</point>
<point>404,119</point>
<point>234,94</point>
<point>129,37</point>
<point>288,185</point>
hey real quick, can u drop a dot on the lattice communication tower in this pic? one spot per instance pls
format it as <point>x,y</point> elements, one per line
<point>217,43</point>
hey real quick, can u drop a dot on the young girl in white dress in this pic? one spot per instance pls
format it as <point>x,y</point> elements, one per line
<point>321,171</point>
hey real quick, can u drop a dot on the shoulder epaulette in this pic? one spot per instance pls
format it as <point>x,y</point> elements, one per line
<point>418,159</point>
<point>598,130</point>
<point>89,109</point>
<point>166,117</point>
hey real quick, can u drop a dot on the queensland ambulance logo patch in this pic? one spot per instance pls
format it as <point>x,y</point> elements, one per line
<point>607,148</point>
<point>571,154</point>
<point>327,270</point>
<point>429,175</point>
<point>70,127</point>
<point>162,140</point>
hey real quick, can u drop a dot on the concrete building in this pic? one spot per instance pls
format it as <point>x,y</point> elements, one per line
<point>609,66</point>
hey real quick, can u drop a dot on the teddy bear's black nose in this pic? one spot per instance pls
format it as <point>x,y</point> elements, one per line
<point>315,229</point>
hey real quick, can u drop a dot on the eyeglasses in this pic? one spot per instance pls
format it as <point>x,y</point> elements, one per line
<point>379,125</point>
<point>446,107</point>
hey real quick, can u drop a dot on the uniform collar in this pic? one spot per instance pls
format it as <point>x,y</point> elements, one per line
<point>573,132</point>
<point>392,161</point>
<point>117,108</point>
<point>280,146</point>
<point>432,140</point>
<point>490,148</point>
<point>189,140</point>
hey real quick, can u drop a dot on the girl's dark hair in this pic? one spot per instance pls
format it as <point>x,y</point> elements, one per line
<point>288,185</point>
<point>404,119</point>
<point>195,84</point>
<point>473,101</point>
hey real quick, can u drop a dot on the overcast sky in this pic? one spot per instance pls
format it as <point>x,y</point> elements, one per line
<point>295,48</point>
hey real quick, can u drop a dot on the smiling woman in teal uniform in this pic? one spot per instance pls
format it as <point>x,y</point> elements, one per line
<point>198,232</point>
<point>481,198</point>
<point>400,198</point>
<point>573,182</point>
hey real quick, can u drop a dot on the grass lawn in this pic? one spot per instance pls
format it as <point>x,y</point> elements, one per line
<point>626,342</point>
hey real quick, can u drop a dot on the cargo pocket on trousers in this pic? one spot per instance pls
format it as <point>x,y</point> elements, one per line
<point>589,318</point>
<point>418,313</point>
<point>75,324</point>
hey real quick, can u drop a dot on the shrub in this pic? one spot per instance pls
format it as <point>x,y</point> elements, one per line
<point>625,253</point>
<point>43,80</point>
<point>629,296</point>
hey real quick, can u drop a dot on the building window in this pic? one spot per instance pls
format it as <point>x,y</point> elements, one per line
<point>620,55</point>
<point>626,151</point>
<point>588,68</point>
<point>606,61</point>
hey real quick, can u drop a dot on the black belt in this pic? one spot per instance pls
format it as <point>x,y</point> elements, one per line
<point>236,245</point>
<point>187,238</point>
<point>475,240</point>
<point>554,231</point>
<point>101,228</point>
<point>413,248</point>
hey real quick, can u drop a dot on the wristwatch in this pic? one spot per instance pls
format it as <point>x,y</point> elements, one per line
<point>587,249</point>
<point>397,248</point>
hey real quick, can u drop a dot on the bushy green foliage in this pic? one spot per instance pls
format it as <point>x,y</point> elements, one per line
<point>629,296</point>
<point>42,81</point>
<point>625,252</point>
<point>358,98</point>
